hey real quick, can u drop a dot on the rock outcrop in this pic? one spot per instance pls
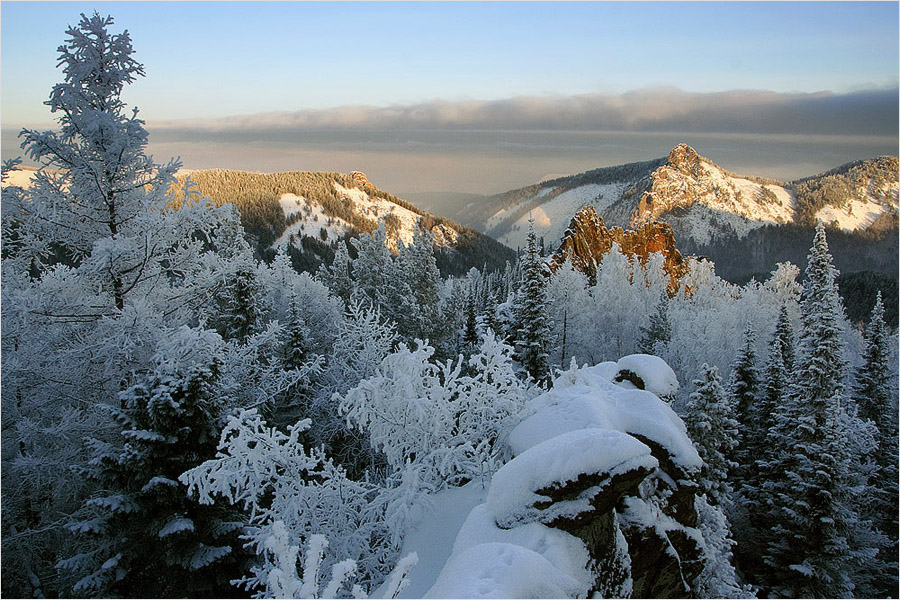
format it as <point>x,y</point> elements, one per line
<point>599,498</point>
<point>588,240</point>
<point>674,185</point>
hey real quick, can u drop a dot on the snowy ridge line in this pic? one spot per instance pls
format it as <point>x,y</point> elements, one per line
<point>701,200</point>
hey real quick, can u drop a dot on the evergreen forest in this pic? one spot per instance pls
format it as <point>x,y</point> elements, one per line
<point>185,416</point>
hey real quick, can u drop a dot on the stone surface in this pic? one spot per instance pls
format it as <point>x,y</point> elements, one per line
<point>588,240</point>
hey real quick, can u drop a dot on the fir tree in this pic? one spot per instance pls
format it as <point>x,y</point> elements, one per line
<point>877,404</point>
<point>141,534</point>
<point>420,268</point>
<point>105,179</point>
<point>373,266</point>
<point>711,423</point>
<point>470,333</point>
<point>242,305</point>
<point>812,517</point>
<point>533,325</point>
<point>337,276</point>
<point>752,522</point>
<point>659,330</point>
<point>743,388</point>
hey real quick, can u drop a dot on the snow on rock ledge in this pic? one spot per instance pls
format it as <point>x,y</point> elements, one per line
<point>588,398</point>
<point>521,490</point>
<point>562,518</point>
<point>653,373</point>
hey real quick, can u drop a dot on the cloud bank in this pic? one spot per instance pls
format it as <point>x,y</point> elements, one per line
<point>493,146</point>
<point>871,112</point>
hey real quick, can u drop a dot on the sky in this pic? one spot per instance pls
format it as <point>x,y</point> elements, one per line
<point>302,85</point>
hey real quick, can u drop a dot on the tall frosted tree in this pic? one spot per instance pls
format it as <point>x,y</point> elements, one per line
<point>103,181</point>
<point>710,419</point>
<point>813,520</point>
<point>877,403</point>
<point>99,263</point>
<point>533,326</point>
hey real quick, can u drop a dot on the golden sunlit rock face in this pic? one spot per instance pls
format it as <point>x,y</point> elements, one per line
<point>677,184</point>
<point>588,240</point>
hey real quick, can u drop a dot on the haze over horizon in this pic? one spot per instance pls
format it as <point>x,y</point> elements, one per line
<point>485,97</point>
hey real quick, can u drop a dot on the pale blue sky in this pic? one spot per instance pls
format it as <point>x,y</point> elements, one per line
<point>213,59</point>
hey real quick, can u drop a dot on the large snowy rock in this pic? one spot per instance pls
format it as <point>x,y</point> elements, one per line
<point>598,499</point>
<point>652,373</point>
<point>588,398</point>
<point>560,480</point>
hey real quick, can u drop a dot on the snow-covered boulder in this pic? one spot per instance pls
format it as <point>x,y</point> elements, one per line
<point>567,478</point>
<point>597,499</point>
<point>651,372</point>
<point>589,398</point>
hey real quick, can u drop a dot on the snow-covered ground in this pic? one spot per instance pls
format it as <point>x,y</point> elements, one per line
<point>552,218</point>
<point>857,214</point>
<point>433,532</point>
<point>311,223</point>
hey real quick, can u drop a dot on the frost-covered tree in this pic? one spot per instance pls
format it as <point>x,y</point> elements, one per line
<point>242,305</point>
<point>569,310</point>
<point>406,409</point>
<point>752,514</point>
<point>659,330</point>
<point>776,381</point>
<point>813,519</point>
<point>713,428</point>
<point>93,205</point>
<point>718,579</point>
<point>364,340</point>
<point>297,496</point>
<point>417,265</point>
<point>470,330</point>
<point>141,533</point>
<point>532,322</point>
<point>337,275</point>
<point>488,400</point>
<point>744,384</point>
<point>373,267</point>
<point>744,389</point>
<point>100,262</point>
<point>877,403</point>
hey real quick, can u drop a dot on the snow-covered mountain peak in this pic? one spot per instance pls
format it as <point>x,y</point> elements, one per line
<point>702,201</point>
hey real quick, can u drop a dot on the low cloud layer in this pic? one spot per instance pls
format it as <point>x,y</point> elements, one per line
<point>491,147</point>
<point>873,112</point>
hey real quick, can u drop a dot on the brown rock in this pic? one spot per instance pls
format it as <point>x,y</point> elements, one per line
<point>674,185</point>
<point>587,240</point>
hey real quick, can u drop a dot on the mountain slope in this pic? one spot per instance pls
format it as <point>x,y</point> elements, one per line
<point>310,212</point>
<point>702,202</point>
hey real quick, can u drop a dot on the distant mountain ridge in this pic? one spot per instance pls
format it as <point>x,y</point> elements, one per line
<point>704,203</point>
<point>309,213</point>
